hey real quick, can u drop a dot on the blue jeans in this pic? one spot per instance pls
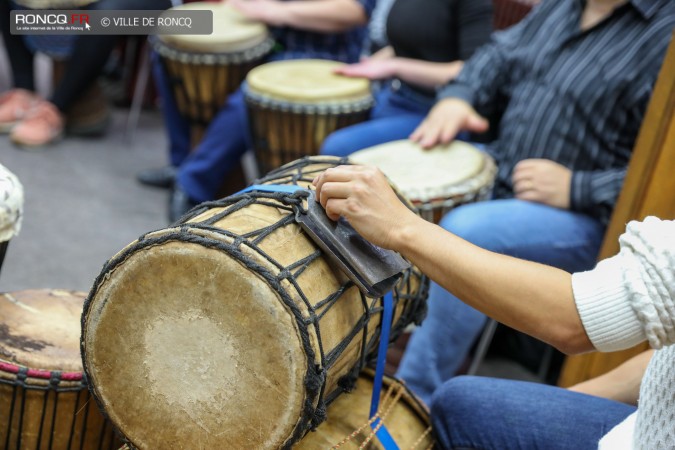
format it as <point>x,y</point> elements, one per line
<point>395,116</point>
<point>526,230</point>
<point>487,413</point>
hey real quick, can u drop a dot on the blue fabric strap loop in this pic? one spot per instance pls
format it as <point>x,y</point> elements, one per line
<point>387,315</point>
<point>288,188</point>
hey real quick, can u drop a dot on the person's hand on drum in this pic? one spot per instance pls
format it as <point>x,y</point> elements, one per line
<point>447,118</point>
<point>373,69</point>
<point>542,181</point>
<point>362,195</point>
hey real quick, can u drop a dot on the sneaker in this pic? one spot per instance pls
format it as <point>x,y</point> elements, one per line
<point>42,125</point>
<point>14,105</point>
<point>162,177</point>
<point>179,203</point>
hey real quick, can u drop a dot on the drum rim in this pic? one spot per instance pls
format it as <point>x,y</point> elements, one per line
<point>211,58</point>
<point>255,99</point>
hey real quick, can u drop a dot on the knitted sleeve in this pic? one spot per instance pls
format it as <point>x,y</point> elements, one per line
<point>630,297</point>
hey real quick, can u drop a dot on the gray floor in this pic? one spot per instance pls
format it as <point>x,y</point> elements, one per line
<point>82,204</point>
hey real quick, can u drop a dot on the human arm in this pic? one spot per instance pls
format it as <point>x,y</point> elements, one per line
<point>362,195</point>
<point>625,300</point>
<point>414,71</point>
<point>621,384</point>
<point>323,16</point>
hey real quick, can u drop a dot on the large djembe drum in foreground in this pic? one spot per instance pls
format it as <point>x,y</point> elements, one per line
<point>294,105</point>
<point>205,69</point>
<point>434,180</point>
<point>231,329</point>
<point>11,209</point>
<point>44,401</point>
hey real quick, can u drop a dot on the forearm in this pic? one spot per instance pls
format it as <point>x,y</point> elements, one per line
<point>323,16</point>
<point>621,384</point>
<point>529,297</point>
<point>425,73</point>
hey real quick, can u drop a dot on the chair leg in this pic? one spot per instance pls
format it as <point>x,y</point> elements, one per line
<point>483,346</point>
<point>139,94</point>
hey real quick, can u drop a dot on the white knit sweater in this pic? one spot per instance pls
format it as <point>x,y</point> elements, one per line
<point>628,299</point>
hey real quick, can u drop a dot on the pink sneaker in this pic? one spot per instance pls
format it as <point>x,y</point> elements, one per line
<point>42,125</point>
<point>14,105</point>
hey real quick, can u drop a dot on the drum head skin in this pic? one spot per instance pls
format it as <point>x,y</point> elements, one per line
<point>424,175</point>
<point>183,348</point>
<point>40,329</point>
<point>232,31</point>
<point>306,81</point>
<point>11,204</point>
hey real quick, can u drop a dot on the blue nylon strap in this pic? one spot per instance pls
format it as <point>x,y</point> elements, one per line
<point>288,188</point>
<point>387,315</point>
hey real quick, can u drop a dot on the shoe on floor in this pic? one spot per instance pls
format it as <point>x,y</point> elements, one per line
<point>42,125</point>
<point>14,105</point>
<point>162,177</point>
<point>179,203</point>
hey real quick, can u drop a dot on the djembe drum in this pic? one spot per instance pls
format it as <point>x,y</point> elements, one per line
<point>294,105</point>
<point>349,427</point>
<point>44,402</point>
<point>11,209</point>
<point>232,329</point>
<point>205,69</point>
<point>435,180</point>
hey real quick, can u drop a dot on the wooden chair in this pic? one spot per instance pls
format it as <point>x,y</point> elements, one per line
<point>648,190</point>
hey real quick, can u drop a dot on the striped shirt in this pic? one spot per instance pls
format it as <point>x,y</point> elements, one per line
<point>345,47</point>
<point>575,97</point>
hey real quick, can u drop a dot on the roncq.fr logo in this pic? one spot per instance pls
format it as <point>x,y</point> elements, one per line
<point>51,19</point>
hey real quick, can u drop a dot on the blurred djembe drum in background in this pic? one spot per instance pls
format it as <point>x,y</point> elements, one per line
<point>349,427</point>
<point>44,401</point>
<point>232,329</point>
<point>294,105</point>
<point>205,69</point>
<point>434,180</point>
<point>90,114</point>
<point>11,209</point>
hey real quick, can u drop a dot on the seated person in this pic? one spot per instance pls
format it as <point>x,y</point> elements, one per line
<point>571,83</point>
<point>429,40</point>
<point>33,121</point>
<point>325,29</point>
<point>625,300</point>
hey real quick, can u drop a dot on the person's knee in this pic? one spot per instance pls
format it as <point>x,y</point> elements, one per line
<point>452,398</point>
<point>337,143</point>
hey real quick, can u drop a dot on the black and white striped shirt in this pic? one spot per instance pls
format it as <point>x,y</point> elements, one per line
<point>575,97</point>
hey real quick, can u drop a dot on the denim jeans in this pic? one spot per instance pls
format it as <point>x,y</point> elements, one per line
<point>396,114</point>
<point>487,413</point>
<point>526,230</point>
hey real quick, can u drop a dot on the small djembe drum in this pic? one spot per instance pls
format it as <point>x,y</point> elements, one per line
<point>44,401</point>
<point>11,209</point>
<point>435,180</point>
<point>205,69</point>
<point>232,329</point>
<point>349,427</point>
<point>294,105</point>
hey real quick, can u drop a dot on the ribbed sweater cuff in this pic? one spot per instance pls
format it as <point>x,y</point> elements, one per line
<point>605,309</point>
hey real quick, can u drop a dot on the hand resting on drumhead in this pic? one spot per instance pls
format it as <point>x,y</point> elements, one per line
<point>487,281</point>
<point>385,64</point>
<point>542,181</point>
<point>323,16</point>
<point>447,118</point>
